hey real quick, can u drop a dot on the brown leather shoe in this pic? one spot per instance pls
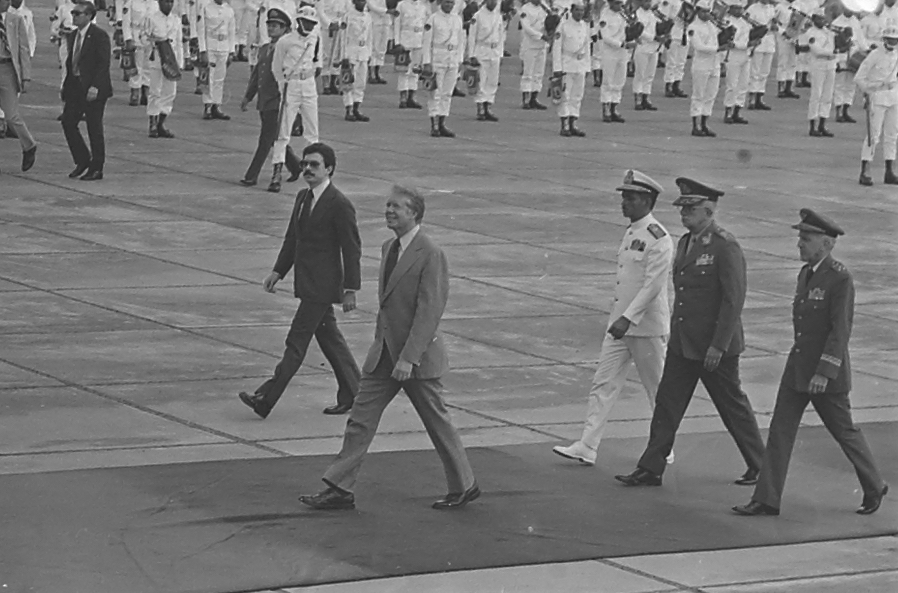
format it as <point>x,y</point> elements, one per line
<point>456,500</point>
<point>329,499</point>
<point>257,403</point>
<point>755,509</point>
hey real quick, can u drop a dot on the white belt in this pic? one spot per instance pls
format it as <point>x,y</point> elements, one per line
<point>446,46</point>
<point>302,75</point>
<point>221,36</point>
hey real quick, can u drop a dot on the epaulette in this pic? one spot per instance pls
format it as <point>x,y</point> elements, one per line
<point>656,230</point>
<point>839,267</point>
<point>724,234</point>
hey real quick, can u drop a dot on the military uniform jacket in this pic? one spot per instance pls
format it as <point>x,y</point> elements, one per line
<point>646,42</point>
<point>703,38</point>
<point>217,28</point>
<point>533,26</point>
<point>358,36</point>
<point>613,30</point>
<point>763,14</point>
<point>709,292</point>
<point>822,43</point>
<point>570,53</point>
<point>408,28</point>
<point>877,72</point>
<point>822,314</point>
<point>485,35</point>
<point>158,27</point>
<point>133,13</point>
<point>643,270</point>
<point>263,83</point>
<point>443,40</point>
<point>740,39</point>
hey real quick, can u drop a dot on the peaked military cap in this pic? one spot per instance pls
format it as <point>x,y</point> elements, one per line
<point>693,192</point>
<point>276,15</point>
<point>817,223</point>
<point>636,181</point>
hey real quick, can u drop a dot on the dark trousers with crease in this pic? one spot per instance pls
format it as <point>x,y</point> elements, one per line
<point>318,320</point>
<point>267,135</point>
<point>93,112</point>
<point>678,382</point>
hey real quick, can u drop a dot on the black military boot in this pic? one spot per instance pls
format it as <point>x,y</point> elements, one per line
<point>646,104</point>
<point>359,116</point>
<point>890,177</point>
<point>760,105</point>
<point>575,131</point>
<point>865,179</point>
<point>565,130</point>
<point>218,114</point>
<point>605,116</point>
<point>333,86</point>
<point>845,117</point>
<point>434,127</point>
<point>241,54</point>
<point>526,101</point>
<point>597,78</point>
<point>207,111</point>
<point>706,131</point>
<point>377,77</point>
<point>821,128</point>
<point>728,115</point>
<point>750,102</point>
<point>535,104</point>
<point>143,94</point>
<point>403,99</point>
<point>487,113</point>
<point>789,93</point>
<point>780,89</point>
<point>737,117</point>
<point>163,131</point>
<point>696,129</point>
<point>615,117</point>
<point>134,100</point>
<point>812,130</point>
<point>198,90</point>
<point>412,104</point>
<point>678,92</point>
<point>637,102</point>
<point>480,116</point>
<point>805,83</point>
<point>839,118</point>
<point>668,91</point>
<point>275,185</point>
<point>154,126</point>
<point>349,115</point>
<point>444,131</point>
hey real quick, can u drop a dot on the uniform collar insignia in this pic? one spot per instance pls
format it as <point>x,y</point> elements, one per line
<point>706,240</point>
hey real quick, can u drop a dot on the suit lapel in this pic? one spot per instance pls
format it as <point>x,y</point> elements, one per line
<point>408,257</point>
<point>323,203</point>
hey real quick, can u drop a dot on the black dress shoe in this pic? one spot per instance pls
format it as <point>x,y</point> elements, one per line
<point>78,171</point>
<point>28,158</point>
<point>456,500</point>
<point>754,509</point>
<point>338,409</point>
<point>871,502</point>
<point>256,403</point>
<point>92,176</point>
<point>248,182</point>
<point>640,477</point>
<point>329,499</point>
<point>749,478</point>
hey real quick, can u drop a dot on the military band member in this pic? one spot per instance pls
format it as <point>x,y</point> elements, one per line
<point>485,38</point>
<point>534,47</point>
<point>822,49</point>
<point>60,27</point>
<point>845,89</point>
<point>803,59</point>
<point>615,54</point>
<point>217,33</point>
<point>159,26</point>
<point>133,13</point>
<point>408,31</point>
<point>706,339</point>
<point>786,58</point>
<point>762,12</point>
<point>330,15</point>
<point>645,57</point>
<point>675,58</point>
<point>877,78</point>
<point>442,52</point>
<point>702,34</point>
<point>570,63</point>
<point>358,33</point>
<point>818,371</point>
<point>738,65</point>
<point>295,66</point>
<point>640,315</point>
<point>381,32</point>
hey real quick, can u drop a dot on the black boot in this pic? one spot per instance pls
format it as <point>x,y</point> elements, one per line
<point>597,78</point>
<point>326,85</point>
<point>865,178</point>
<point>668,91</point>
<point>163,132</point>
<point>297,129</point>
<point>575,131</point>
<point>565,131</point>
<point>198,90</point>
<point>615,117</point>
<point>154,126</point>
<point>839,118</point>
<point>706,131</point>
<point>822,129</point>
<point>480,116</point>
<point>359,116</point>
<point>349,115</point>
<point>845,117</point>
<point>487,114</point>
<point>333,86</point>
<point>134,100</point>
<point>535,104</point>
<point>434,127</point>
<point>750,103</point>
<point>696,129</point>
<point>789,93</point>
<point>241,54</point>
<point>728,115</point>
<point>217,113</point>
<point>143,94</point>
<point>890,177</point>
<point>377,77</point>
<point>526,101</point>
<point>637,102</point>
<point>444,131</point>
<point>275,185</point>
<point>812,129</point>
<point>646,104</point>
<point>207,111</point>
<point>737,117</point>
<point>805,83</point>
<point>605,116</point>
<point>678,92</point>
<point>781,89</point>
<point>411,101</point>
<point>403,99</point>
<point>760,105</point>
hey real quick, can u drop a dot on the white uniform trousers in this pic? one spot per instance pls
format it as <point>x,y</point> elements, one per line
<point>614,365</point>
<point>646,63</point>
<point>489,81</point>
<point>705,84</point>
<point>675,64</point>
<point>441,98</point>
<point>245,21</point>
<point>408,80</point>
<point>572,96</point>
<point>534,69</point>
<point>760,71</point>
<point>803,61</point>
<point>162,92</point>
<point>844,88</point>
<point>614,73</point>
<point>738,70</point>
<point>595,61</point>
<point>63,56</point>
<point>883,121</point>
<point>357,94</point>
<point>218,69</point>
<point>823,82</point>
<point>302,98</point>
<point>327,53</point>
<point>380,34</point>
<point>785,59</point>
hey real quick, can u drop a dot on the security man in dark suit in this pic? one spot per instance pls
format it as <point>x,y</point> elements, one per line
<point>818,371</point>
<point>705,338</point>
<point>85,90</point>
<point>323,248</point>
<point>262,82</point>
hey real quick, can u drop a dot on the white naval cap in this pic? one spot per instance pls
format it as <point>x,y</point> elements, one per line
<point>639,182</point>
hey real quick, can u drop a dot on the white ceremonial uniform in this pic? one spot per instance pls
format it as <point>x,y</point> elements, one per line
<point>408,31</point>
<point>357,38</point>
<point>596,48</point>
<point>844,86</point>
<point>158,27</point>
<point>485,43</point>
<point>245,20</point>
<point>823,72</point>
<point>615,55</point>
<point>443,48</point>
<point>675,59</point>
<point>702,37</point>
<point>878,77</point>
<point>60,27</point>
<point>533,47</point>
<point>133,13</point>
<point>217,33</point>
<point>643,270</point>
<point>786,58</point>
<point>645,57</point>
<point>381,27</point>
<point>738,65</point>
<point>330,11</point>
<point>762,54</point>
<point>570,54</point>
<point>804,59</point>
<point>293,64</point>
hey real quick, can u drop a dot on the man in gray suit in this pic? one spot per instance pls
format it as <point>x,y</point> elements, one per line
<point>15,71</point>
<point>408,353</point>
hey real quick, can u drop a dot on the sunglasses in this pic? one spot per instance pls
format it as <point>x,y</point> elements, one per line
<point>309,165</point>
<point>78,12</point>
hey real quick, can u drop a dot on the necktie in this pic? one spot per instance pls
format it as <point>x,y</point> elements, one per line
<point>76,55</point>
<point>306,208</point>
<point>3,40</point>
<point>807,279</point>
<point>392,258</point>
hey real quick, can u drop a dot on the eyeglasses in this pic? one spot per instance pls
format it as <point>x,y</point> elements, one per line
<point>309,164</point>
<point>78,12</point>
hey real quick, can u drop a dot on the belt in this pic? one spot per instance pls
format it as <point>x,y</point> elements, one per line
<point>222,36</point>
<point>303,75</point>
<point>5,60</point>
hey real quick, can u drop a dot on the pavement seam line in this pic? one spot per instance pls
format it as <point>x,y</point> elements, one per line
<point>647,575</point>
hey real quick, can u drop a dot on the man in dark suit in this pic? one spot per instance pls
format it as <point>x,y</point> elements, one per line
<point>408,353</point>
<point>323,247</point>
<point>705,338</point>
<point>85,90</point>
<point>818,371</point>
<point>15,71</point>
<point>262,82</point>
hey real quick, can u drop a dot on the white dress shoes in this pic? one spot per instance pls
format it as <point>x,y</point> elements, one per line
<point>578,452</point>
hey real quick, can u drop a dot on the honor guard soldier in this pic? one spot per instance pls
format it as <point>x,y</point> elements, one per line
<point>738,65</point>
<point>534,45</point>
<point>161,26</point>
<point>330,15</point>
<point>786,58</point>
<point>845,89</point>
<point>615,54</point>
<point>442,52</point>
<point>295,66</point>
<point>357,50</point>
<point>818,371</point>
<point>485,47</point>
<point>675,58</point>
<point>133,13</point>
<point>570,63</point>
<point>803,58</point>
<point>595,46</point>
<point>702,35</point>
<point>645,57</point>
<point>409,35</point>
<point>762,12</point>
<point>217,32</point>
<point>640,315</point>
<point>706,338</point>
<point>877,79</point>
<point>822,49</point>
<point>381,32</point>
<point>60,27</point>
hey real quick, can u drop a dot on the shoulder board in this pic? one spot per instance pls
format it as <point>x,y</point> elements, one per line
<point>839,267</point>
<point>724,234</point>
<point>656,230</point>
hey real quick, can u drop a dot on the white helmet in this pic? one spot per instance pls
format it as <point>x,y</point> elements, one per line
<point>891,31</point>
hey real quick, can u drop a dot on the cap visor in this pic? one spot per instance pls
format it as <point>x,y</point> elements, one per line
<point>628,187</point>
